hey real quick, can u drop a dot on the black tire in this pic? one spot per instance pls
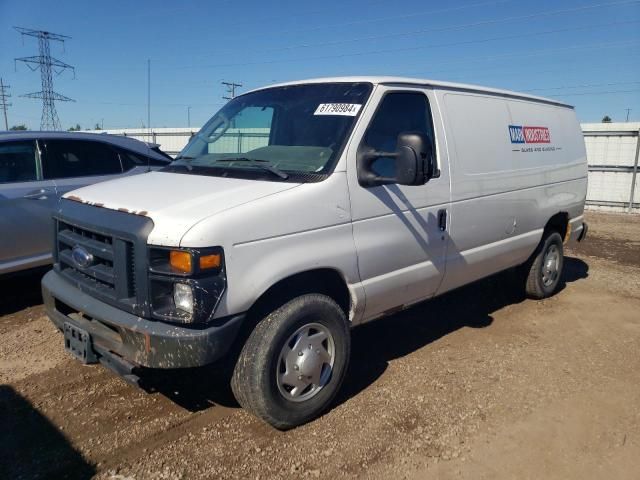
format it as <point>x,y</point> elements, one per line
<point>254,381</point>
<point>539,284</point>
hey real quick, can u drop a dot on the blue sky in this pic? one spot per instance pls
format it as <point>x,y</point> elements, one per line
<point>583,52</point>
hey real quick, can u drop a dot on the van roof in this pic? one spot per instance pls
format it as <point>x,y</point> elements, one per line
<point>422,82</point>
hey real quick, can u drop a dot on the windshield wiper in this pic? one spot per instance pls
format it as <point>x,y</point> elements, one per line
<point>184,157</point>
<point>263,164</point>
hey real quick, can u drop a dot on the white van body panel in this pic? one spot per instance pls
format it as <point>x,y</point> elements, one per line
<point>175,202</point>
<point>503,193</point>
<point>400,249</point>
<point>295,231</point>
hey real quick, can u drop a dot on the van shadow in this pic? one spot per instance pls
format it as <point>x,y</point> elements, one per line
<point>21,290</point>
<point>31,446</point>
<point>374,344</point>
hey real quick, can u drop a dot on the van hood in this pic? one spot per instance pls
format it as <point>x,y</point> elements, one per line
<point>175,202</point>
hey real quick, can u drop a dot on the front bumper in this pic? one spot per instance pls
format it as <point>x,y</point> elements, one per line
<point>119,337</point>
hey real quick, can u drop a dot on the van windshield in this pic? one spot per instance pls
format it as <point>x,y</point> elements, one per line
<point>277,133</point>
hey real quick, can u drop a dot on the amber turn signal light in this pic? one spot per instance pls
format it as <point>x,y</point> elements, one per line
<point>210,261</point>
<point>181,261</point>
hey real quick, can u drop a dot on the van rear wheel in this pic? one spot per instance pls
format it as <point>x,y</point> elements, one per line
<point>294,361</point>
<point>545,268</point>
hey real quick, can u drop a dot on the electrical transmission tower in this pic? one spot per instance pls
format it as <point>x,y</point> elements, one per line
<point>3,102</point>
<point>47,64</point>
<point>231,89</point>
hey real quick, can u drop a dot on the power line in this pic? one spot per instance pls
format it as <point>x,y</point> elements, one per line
<point>452,27</point>
<point>405,49</point>
<point>3,101</point>
<point>508,69</point>
<point>511,69</point>
<point>231,89</point>
<point>535,53</point>
<point>206,105</point>
<point>126,104</point>
<point>581,86</point>
<point>595,93</point>
<point>294,14</point>
<point>333,25</point>
<point>46,64</point>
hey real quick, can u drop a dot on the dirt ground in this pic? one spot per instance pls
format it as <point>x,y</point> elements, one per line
<point>477,384</point>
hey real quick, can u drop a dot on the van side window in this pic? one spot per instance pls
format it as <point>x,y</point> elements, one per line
<point>79,158</point>
<point>18,162</point>
<point>398,112</point>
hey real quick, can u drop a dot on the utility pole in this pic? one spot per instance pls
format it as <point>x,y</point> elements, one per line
<point>3,102</point>
<point>149,94</point>
<point>46,63</point>
<point>628,110</point>
<point>231,90</point>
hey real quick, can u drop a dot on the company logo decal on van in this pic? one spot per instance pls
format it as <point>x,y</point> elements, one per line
<point>520,134</point>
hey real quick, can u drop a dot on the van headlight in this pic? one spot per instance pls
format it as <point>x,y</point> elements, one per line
<point>183,297</point>
<point>185,284</point>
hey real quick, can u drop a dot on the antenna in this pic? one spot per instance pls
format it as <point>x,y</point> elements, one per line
<point>46,63</point>
<point>231,89</point>
<point>3,101</point>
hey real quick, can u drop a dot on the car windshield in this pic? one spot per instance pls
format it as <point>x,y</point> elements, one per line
<point>277,132</point>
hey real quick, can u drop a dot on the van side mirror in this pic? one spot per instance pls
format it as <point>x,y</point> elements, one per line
<point>414,164</point>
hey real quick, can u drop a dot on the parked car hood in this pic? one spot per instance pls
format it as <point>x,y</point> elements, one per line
<point>175,202</point>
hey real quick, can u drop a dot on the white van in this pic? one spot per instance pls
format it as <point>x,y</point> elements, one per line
<point>303,209</point>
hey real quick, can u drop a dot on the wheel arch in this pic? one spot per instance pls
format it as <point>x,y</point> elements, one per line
<point>326,280</point>
<point>559,222</point>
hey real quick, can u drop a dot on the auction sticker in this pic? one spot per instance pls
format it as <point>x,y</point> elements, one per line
<point>348,109</point>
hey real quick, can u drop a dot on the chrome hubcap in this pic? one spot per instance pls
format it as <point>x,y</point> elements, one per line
<point>551,266</point>
<point>306,362</point>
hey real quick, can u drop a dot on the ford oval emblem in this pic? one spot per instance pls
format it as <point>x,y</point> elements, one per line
<point>81,257</point>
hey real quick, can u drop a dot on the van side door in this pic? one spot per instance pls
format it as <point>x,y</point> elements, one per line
<point>399,231</point>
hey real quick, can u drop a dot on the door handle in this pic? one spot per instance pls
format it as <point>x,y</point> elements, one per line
<point>442,220</point>
<point>40,194</point>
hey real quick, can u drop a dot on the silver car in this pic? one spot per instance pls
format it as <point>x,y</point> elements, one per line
<point>37,168</point>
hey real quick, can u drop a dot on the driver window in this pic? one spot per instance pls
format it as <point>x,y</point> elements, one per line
<point>398,112</point>
<point>249,129</point>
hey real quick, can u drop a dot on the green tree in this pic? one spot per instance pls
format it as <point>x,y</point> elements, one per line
<point>77,128</point>
<point>606,119</point>
<point>97,127</point>
<point>19,127</point>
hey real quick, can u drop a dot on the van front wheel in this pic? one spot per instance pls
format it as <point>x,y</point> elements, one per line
<point>294,361</point>
<point>545,268</point>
